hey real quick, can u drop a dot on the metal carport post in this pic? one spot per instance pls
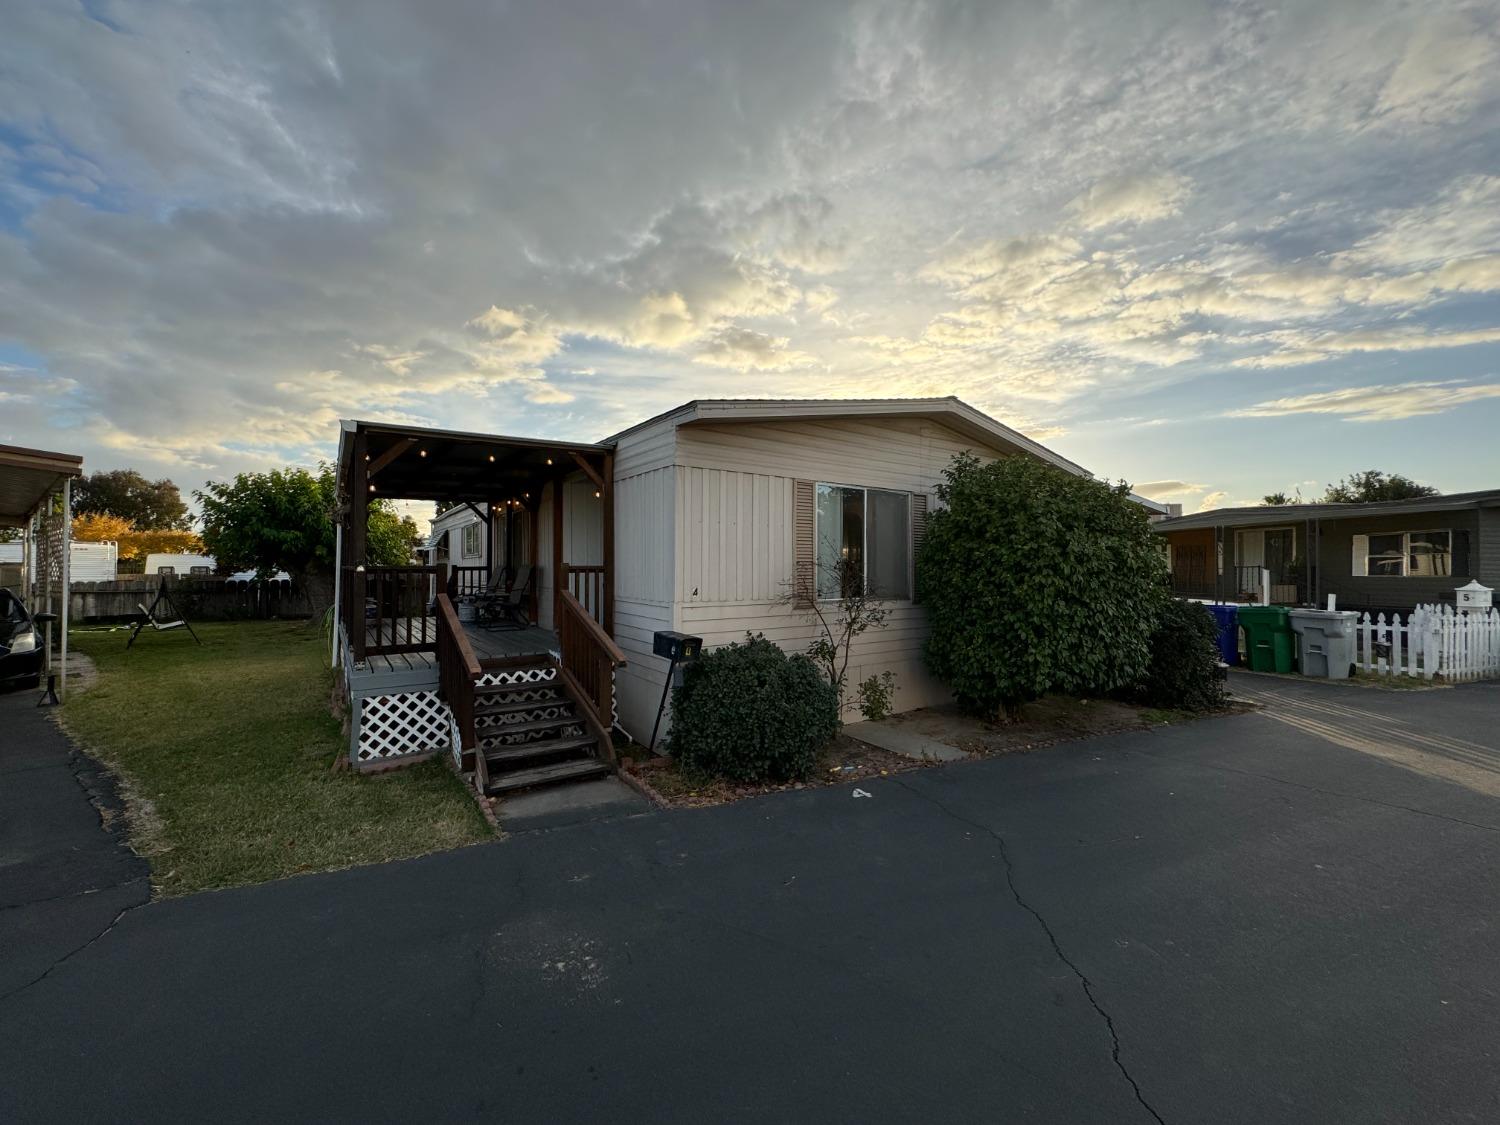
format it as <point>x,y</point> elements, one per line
<point>29,480</point>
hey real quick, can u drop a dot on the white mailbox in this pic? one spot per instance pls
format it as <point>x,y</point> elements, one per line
<point>1474,596</point>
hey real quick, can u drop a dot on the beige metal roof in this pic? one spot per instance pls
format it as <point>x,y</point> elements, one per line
<point>29,476</point>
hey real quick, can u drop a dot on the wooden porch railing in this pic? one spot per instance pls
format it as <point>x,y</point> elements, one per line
<point>586,583</point>
<point>465,581</point>
<point>385,608</point>
<point>589,660</point>
<point>458,668</point>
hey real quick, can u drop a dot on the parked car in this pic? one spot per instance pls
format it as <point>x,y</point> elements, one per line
<point>20,644</point>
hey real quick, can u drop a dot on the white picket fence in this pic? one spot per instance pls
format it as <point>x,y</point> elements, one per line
<point>1434,641</point>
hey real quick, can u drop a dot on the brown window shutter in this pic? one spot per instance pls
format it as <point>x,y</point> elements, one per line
<point>804,522</point>
<point>918,533</point>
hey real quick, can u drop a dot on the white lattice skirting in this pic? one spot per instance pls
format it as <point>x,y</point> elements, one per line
<point>395,726</point>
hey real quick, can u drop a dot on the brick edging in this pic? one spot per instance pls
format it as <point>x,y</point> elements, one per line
<point>642,787</point>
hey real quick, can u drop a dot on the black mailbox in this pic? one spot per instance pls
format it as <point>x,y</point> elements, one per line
<point>675,646</point>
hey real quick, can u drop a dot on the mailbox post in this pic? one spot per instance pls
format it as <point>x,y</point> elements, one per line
<point>677,648</point>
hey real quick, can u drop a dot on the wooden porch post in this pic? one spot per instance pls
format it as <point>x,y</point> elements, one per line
<point>359,517</point>
<point>609,543</point>
<point>559,568</point>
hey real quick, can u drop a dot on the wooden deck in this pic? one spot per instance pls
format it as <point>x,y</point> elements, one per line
<point>419,670</point>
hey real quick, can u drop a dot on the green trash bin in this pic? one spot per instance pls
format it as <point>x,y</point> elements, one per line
<point>1268,637</point>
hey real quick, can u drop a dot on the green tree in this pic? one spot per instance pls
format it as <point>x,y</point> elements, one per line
<point>1372,484</point>
<point>283,520</point>
<point>1036,580</point>
<point>1276,499</point>
<point>149,505</point>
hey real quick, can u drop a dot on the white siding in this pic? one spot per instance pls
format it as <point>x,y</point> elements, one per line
<point>646,448</point>
<point>906,454</point>
<point>734,550</point>
<point>644,507</point>
<point>583,523</point>
<point>544,568</point>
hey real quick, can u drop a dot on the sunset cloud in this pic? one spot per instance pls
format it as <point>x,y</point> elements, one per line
<point>508,218</point>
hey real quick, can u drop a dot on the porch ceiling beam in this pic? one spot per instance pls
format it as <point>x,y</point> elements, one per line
<point>390,455</point>
<point>593,473</point>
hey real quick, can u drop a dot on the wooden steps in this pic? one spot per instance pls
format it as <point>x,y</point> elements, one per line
<point>580,769</point>
<point>533,732</point>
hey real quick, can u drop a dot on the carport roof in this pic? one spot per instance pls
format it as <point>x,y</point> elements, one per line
<point>29,476</point>
<point>1265,514</point>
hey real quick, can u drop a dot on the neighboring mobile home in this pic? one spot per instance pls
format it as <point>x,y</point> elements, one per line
<point>713,519</point>
<point>1383,556</point>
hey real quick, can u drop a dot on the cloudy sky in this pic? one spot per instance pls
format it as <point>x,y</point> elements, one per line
<point>1216,249</point>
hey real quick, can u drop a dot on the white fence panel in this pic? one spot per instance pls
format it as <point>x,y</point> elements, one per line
<point>1457,645</point>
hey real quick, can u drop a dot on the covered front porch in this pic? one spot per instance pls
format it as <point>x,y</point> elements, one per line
<point>404,636</point>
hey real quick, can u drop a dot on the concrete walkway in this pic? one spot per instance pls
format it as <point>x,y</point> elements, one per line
<point>907,743</point>
<point>64,877</point>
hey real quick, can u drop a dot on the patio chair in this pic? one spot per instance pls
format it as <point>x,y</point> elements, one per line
<point>509,610</point>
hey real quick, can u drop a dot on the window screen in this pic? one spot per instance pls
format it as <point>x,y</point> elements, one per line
<point>889,534</point>
<point>841,537</point>
<point>863,537</point>
<point>1430,554</point>
<point>1387,556</point>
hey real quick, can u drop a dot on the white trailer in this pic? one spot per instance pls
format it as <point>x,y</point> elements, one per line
<point>93,562</point>
<point>180,565</point>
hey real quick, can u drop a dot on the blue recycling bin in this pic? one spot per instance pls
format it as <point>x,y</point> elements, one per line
<point>1227,617</point>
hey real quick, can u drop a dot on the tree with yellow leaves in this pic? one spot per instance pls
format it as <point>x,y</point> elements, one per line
<point>99,527</point>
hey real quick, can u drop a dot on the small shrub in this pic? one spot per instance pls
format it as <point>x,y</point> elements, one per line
<point>748,712</point>
<point>1184,669</point>
<point>875,696</point>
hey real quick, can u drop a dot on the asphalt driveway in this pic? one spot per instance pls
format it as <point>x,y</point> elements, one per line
<point>1242,919</point>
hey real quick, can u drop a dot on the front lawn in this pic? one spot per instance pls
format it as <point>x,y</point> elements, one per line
<point>225,753</point>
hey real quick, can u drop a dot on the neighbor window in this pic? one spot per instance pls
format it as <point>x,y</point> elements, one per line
<point>871,529</point>
<point>471,540</point>
<point>1404,554</point>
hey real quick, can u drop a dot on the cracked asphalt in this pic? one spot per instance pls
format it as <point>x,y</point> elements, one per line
<point>1288,915</point>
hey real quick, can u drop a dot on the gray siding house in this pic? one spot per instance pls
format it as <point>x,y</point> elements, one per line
<point>1389,555</point>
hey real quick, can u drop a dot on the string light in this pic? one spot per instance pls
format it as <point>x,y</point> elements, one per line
<point>372,488</point>
<point>492,457</point>
<point>421,453</point>
<point>549,460</point>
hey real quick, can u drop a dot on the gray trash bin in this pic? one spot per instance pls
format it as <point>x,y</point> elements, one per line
<point>1325,642</point>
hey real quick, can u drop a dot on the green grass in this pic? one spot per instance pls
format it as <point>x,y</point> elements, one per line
<point>225,752</point>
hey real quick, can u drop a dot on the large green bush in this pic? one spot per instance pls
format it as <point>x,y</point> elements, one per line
<point>1184,670</point>
<point>749,712</point>
<point>1036,580</point>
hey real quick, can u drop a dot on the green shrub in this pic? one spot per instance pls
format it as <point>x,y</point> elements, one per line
<point>876,696</point>
<point>1036,580</point>
<point>749,712</point>
<point>1184,670</point>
